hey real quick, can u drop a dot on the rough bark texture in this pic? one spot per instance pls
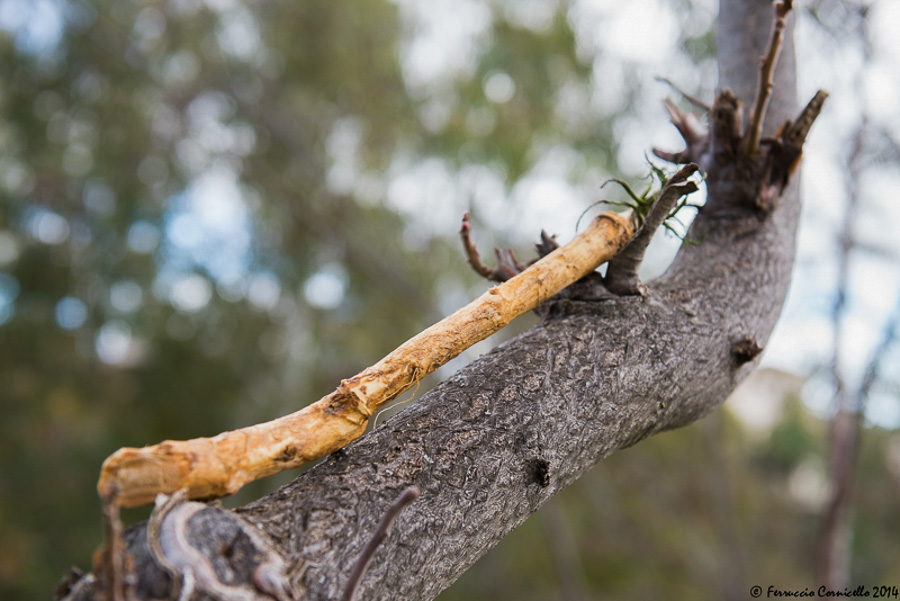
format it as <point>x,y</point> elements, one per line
<point>493,443</point>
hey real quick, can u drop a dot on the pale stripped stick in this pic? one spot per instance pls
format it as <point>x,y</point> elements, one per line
<point>221,465</point>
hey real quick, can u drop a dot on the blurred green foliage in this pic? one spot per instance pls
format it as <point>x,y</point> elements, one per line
<point>201,227</point>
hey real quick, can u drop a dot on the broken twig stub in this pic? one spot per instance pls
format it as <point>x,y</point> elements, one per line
<point>221,465</point>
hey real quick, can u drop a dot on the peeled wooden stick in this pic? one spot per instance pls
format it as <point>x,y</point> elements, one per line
<point>221,465</point>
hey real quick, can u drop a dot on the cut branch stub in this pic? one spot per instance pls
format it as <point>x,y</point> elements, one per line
<point>746,349</point>
<point>786,148</point>
<point>221,465</point>
<point>622,273</point>
<point>255,569</point>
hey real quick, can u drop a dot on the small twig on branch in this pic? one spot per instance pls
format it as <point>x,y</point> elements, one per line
<point>221,465</point>
<point>507,264</point>
<point>622,273</point>
<point>764,90</point>
<point>112,562</point>
<point>472,255</point>
<point>695,135</point>
<point>690,98</point>
<point>692,132</point>
<point>406,497</point>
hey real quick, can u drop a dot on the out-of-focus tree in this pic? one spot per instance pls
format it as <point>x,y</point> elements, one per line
<point>862,374</point>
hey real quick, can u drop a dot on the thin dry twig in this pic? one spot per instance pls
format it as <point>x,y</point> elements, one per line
<point>406,497</point>
<point>472,255</point>
<point>690,98</point>
<point>694,134</point>
<point>764,90</point>
<point>113,561</point>
<point>221,465</point>
<point>507,263</point>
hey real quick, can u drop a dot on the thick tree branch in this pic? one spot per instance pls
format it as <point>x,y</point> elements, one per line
<point>493,443</point>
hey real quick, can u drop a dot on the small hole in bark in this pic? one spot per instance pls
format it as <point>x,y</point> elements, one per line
<point>540,471</point>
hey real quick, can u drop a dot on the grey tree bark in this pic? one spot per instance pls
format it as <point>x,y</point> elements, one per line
<point>496,441</point>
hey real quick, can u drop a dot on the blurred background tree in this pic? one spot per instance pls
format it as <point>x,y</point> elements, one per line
<point>212,211</point>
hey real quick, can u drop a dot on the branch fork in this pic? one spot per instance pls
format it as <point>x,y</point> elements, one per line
<point>750,170</point>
